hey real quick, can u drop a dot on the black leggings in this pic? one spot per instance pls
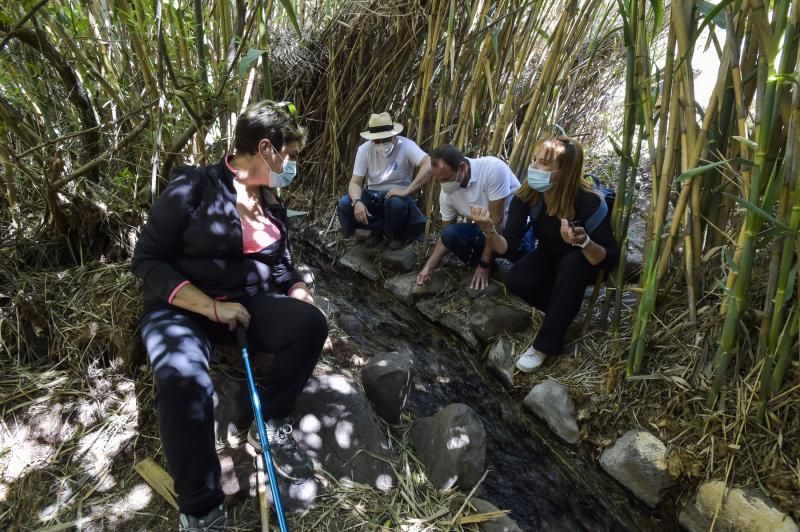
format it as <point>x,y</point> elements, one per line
<point>554,282</point>
<point>179,345</point>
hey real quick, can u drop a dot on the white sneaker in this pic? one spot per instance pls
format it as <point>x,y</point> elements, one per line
<point>530,360</point>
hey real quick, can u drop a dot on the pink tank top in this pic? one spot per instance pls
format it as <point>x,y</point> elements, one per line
<point>256,235</point>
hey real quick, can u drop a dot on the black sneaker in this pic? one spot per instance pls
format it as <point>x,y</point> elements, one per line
<point>290,461</point>
<point>215,521</point>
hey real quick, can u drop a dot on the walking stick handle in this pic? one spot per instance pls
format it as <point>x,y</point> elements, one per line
<point>241,337</point>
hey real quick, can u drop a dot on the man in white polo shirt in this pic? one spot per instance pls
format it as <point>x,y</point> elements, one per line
<point>387,162</point>
<point>485,182</point>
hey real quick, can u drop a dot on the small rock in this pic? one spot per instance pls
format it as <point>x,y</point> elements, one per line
<point>358,259</point>
<point>492,289</point>
<point>744,510</point>
<point>452,446</point>
<point>499,524</point>
<point>335,425</point>
<point>501,361</point>
<point>387,380</point>
<point>401,260</point>
<point>351,325</point>
<point>405,288</point>
<point>638,461</point>
<point>490,318</point>
<point>432,310</point>
<point>550,401</point>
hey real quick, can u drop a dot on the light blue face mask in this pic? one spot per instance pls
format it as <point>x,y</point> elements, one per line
<point>285,178</point>
<point>539,180</point>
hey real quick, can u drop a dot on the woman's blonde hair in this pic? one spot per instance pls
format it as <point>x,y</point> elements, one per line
<point>568,153</point>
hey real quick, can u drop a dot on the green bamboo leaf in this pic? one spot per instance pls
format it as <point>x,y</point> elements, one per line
<point>692,172</point>
<point>251,55</point>
<point>747,142</point>
<point>626,26</point>
<point>658,16</point>
<point>785,78</point>
<point>287,5</point>
<point>759,211</point>
<point>712,12</point>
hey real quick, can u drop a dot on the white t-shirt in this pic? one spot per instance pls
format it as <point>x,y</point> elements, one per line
<point>490,179</point>
<point>385,173</point>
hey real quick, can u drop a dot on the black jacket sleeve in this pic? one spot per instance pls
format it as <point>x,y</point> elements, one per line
<point>516,223</point>
<point>162,236</point>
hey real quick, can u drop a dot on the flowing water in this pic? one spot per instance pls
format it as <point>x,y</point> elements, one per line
<point>544,483</point>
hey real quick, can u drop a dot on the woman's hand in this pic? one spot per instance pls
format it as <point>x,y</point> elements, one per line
<point>481,217</point>
<point>480,279</point>
<point>574,236</point>
<point>231,314</point>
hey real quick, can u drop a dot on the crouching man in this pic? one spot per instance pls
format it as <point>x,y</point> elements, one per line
<point>485,182</point>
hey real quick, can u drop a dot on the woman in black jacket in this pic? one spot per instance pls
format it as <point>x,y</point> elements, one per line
<point>213,255</point>
<point>574,237</point>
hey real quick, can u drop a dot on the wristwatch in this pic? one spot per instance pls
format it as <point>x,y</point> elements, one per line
<point>356,201</point>
<point>484,264</point>
<point>583,244</point>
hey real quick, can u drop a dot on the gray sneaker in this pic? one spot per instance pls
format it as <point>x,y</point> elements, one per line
<point>290,461</point>
<point>215,521</point>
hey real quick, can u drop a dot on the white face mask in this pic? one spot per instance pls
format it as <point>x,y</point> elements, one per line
<point>539,180</point>
<point>449,187</point>
<point>384,148</point>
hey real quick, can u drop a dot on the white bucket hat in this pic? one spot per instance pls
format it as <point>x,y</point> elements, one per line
<point>381,126</point>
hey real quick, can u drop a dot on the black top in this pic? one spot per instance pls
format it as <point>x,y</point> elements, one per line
<point>547,229</point>
<point>194,234</point>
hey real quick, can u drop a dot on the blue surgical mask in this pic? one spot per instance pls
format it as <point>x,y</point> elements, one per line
<point>539,180</point>
<point>285,178</point>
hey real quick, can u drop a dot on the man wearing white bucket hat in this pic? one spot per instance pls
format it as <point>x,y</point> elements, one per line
<point>380,194</point>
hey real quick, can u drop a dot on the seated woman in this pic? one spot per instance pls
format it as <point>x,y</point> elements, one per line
<point>215,255</point>
<point>554,276</point>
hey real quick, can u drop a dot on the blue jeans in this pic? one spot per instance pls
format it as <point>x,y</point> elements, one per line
<point>398,218</point>
<point>465,240</point>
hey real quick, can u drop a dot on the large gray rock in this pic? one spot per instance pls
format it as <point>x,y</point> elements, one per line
<point>358,259</point>
<point>335,425</point>
<point>405,288</point>
<point>742,510</point>
<point>401,260</point>
<point>501,361</point>
<point>638,460</point>
<point>457,323</point>
<point>492,290</point>
<point>550,401</point>
<point>490,318</point>
<point>452,446</point>
<point>499,524</point>
<point>387,380</point>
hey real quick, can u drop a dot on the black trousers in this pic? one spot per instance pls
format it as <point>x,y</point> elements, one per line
<point>553,281</point>
<point>179,345</point>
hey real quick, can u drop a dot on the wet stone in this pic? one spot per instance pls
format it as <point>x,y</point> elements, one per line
<point>499,524</point>
<point>452,447</point>
<point>401,260</point>
<point>457,323</point>
<point>551,402</point>
<point>404,287</point>
<point>359,260</point>
<point>387,381</point>
<point>350,324</point>
<point>501,361</point>
<point>492,290</point>
<point>490,318</point>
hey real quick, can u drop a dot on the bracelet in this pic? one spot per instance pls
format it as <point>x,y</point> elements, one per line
<point>489,233</point>
<point>583,244</point>
<point>356,201</point>
<point>214,304</point>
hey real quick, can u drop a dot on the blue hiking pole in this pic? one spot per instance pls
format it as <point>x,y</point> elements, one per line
<point>255,401</point>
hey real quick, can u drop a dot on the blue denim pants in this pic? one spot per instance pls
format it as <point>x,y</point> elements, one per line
<point>398,218</point>
<point>465,240</point>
